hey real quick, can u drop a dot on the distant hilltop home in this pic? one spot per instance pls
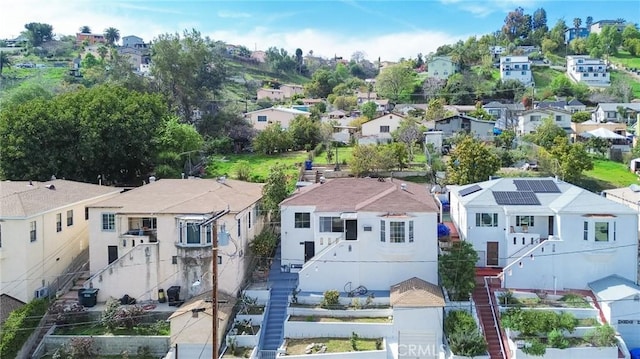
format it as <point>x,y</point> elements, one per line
<point>134,41</point>
<point>284,92</point>
<point>597,26</point>
<point>516,68</point>
<point>441,67</point>
<point>584,69</point>
<point>259,56</point>
<point>90,38</point>
<point>616,111</point>
<point>572,33</point>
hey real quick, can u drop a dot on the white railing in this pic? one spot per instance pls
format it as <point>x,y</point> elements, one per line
<point>495,318</point>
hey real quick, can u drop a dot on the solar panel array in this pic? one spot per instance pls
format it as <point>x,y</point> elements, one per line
<point>469,190</point>
<point>537,186</point>
<point>516,198</point>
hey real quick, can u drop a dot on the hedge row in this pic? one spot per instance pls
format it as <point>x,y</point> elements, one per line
<point>19,326</point>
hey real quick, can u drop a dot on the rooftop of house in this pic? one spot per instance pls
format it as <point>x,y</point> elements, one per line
<point>613,106</point>
<point>292,111</point>
<point>202,304</point>
<point>416,292</point>
<point>22,199</point>
<point>614,287</point>
<point>547,110</point>
<point>364,194</point>
<point>465,117</point>
<point>512,106</point>
<point>537,196</point>
<point>386,116</point>
<point>630,194</point>
<point>186,196</point>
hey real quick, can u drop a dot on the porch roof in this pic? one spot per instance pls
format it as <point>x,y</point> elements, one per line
<point>415,293</point>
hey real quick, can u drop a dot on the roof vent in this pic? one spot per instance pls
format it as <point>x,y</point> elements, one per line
<point>403,186</point>
<point>50,186</point>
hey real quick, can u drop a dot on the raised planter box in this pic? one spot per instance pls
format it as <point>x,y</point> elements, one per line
<point>582,353</point>
<point>294,329</point>
<point>255,319</point>
<point>357,313</point>
<point>263,295</point>
<point>247,341</point>
<point>113,344</point>
<point>370,354</point>
<point>316,299</point>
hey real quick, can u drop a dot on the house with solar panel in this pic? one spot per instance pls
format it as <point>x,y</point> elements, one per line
<point>543,233</point>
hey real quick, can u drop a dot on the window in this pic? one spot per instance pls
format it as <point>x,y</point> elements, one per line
<point>86,213</point>
<point>249,219</point>
<point>69,218</point>
<point>535,118</point>
<point>524,221</point>
<point>207,233</point>
<point>262,118</point>
<point>602,231</point>
<point>239,227</point>
<point>302,220</point>
<point>611,114</point>
<point>508,73</point>
<point>108,222</point>
<point>174,259</point>
<point>331,224</point>
<point>523,72</point>
<point>585,232</point>
<point>192,233</point>
<point>384,129</point>
<point>383,233</point>
<point>486,219</point>
<point>59,222</point>
<point>410,231</point>
<point>558,118</point>
<point>32,231</point>
<point>396,232</point>
<point>219,259</point>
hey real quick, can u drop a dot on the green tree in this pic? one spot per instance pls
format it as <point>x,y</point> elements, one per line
<point>84,29</point>
<point>242,170</point>
<point>408,133</point>
<point>112,35</point>
<point>25,93</point>
<point>561,85</point>
<point>38,33</point>
<point>363,160</point>
<point>631,39</point>
<point>435,110</point>
<point>5,61</point>
<point>188,71</point>
<point>369,110</point>
<point>395,81</point>
<point>105,130</point>
<point>321,84</point>
<point>345,103</point>
<point>273,139</point>
<point>516,25</point>
<point>577,22</point>
<point>275,190</point>
<point>305,132</point>
<point>594,45</point>
<point>457,270</point>
<point>580,116</point>
<point>511,90</point>
<point>471,161</point>
<point>610,39</point>
<point>539,20</point>
<point>570,159</point>
<point>505,139</point>
<point>279,60</point>
<point>547,132</point>
<point>175,141</point>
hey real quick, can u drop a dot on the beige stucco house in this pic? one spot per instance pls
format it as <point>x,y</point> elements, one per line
<point>382,127</point>
<point>260,119</point>
<point>43,230</point>
<point>590,125</point>
<point>160,235</point>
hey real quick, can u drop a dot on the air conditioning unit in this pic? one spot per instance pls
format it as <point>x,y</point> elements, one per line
<point>41,292</point>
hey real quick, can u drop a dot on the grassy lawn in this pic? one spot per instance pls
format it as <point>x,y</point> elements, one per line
<point>334,345</point>
<point>338,319</point>
<point>162,328</point>
<point>625,77</point>
<point>611,174</point>
<point>543,76</point>
<point>260,164</point>
<point>625,59</point>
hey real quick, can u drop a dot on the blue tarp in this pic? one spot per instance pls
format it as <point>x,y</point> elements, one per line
<point>443,230</point>
<point>635,353</point>
<point>497,131</point>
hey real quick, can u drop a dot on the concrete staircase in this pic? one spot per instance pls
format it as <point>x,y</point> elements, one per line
<point>281,284</point>
<point>78,283</point>
<point>489,325</point>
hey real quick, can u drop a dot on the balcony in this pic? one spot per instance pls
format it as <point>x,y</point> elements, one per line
<point>140,236</point>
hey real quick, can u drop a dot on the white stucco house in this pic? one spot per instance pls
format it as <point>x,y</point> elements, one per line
<point>516,68</point>
<point>260,119</point>
<point>587,70</point>
<point>619,299</point>
<point>382,127</point>
<point>611,111</point>
<point>528,121</point>
<point>441,67</point>
<point>546,234</point>
<point>366,231</point>
<point>44,228</point>
<point>160,235</point>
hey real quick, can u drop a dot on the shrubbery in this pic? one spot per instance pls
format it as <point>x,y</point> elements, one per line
<point>19,326</point>
<point>463,335</point>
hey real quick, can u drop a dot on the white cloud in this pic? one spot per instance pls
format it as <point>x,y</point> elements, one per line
<point>390,46</point>
<point>233,15</point>
<point>488,7</point>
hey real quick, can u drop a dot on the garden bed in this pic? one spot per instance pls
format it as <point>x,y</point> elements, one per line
<point>340,319</point>
<point>158,328</point>
<point>542,300</point>
<point>332,345</point>
<point>238,353</point>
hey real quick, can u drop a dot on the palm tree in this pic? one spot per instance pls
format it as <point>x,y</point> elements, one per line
<point>85,29</point>
<point>577,22</point>
<point>112,35</point>
<point>4,61</point>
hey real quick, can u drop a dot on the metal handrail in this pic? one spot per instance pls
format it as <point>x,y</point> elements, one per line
<point>495,318</point>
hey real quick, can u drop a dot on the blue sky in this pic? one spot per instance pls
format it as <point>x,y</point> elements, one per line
<point>379,28</point>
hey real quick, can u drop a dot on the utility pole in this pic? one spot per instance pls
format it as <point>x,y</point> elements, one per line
<point>214,283</point>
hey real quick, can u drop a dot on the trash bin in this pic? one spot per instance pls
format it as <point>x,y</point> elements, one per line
<point>88,297</point>
<point>308,165</point>
<point>161,296</point>
<point>173,295</point>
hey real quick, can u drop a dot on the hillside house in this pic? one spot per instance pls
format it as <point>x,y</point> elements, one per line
<point>516,68</point>
<point>584,69</point>
<point>260,119</point>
